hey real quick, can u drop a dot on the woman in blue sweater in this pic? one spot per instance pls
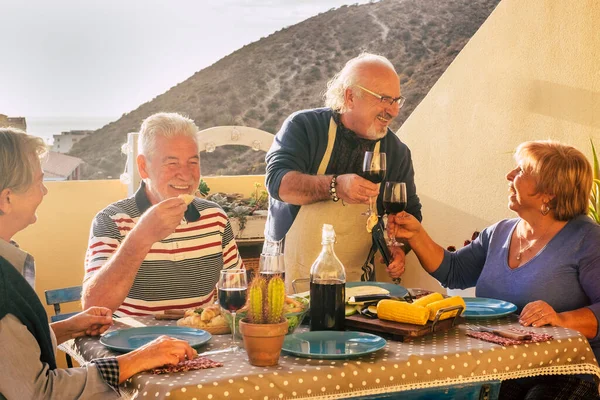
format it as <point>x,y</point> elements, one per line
<point>546,261</point>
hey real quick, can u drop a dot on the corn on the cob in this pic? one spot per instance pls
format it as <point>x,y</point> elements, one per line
<point>449,302</point>
<point>430,298</point>
<point>399,311</point>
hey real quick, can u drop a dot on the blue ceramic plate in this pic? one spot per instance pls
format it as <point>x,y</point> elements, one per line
<point>332,344</point>
<point>395,290</point>
<point>480,307</point>
<point>125,340</point>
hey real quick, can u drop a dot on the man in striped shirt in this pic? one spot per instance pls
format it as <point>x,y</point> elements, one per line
<point>153,252</point>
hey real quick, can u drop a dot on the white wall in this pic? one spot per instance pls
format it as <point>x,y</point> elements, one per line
<point>532,71</point>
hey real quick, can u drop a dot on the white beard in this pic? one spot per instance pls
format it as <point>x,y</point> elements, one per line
<point>375,134</point>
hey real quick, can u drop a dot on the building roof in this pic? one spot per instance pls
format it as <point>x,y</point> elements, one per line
<point>57,165</point>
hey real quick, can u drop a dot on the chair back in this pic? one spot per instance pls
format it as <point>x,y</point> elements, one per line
<point>56,297</point>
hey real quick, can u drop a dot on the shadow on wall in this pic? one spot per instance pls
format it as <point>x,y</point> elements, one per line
<point>563,102</point>
<point>447,225</point>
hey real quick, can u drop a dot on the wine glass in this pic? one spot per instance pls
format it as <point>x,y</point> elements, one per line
<point>271,265</point>
<point>394,202</point>
<point>374,167</point>
<point>233,289</point>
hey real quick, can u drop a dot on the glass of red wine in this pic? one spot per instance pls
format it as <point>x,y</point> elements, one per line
<point>394,202</point>
<point>233,289</point>
<point>374,167</point>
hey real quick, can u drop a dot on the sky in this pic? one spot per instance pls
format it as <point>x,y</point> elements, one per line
<point>104,58</point>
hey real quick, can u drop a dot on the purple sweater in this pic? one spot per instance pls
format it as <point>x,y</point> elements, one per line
<point>565,273</point>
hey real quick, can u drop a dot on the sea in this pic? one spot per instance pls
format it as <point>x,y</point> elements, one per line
<point>46,127</point>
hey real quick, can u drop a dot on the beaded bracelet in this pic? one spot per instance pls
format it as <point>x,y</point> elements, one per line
<point>332,189</point>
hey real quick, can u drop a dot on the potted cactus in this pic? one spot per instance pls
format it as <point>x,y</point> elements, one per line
<point>265,326</point>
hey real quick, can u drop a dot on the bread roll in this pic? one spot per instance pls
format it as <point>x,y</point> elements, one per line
<point>187,198</point>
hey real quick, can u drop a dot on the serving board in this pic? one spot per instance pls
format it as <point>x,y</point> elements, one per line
<point>397,330</point>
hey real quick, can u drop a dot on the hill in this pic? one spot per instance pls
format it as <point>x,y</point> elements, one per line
<point>262,83</point>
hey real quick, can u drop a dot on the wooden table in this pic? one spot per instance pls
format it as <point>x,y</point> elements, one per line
<point>443,362</point>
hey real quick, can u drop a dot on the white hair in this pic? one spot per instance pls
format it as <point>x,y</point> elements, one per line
<point>167,125</point>
<point>348,77</point>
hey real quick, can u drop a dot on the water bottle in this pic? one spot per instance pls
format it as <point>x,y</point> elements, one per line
<point>327,287</point>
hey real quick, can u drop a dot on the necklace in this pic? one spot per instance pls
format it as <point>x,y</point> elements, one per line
<point>530,244</point>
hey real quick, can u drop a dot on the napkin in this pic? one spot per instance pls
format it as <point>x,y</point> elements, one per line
<point>494,338</point>
<point>187,365</point>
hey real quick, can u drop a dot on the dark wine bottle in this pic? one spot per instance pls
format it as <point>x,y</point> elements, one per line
<point>327,287</point>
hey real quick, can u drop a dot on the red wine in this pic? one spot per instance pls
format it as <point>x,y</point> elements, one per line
<point>394,207</point>
<point>232,299</point>
<point>269,274</point>
<point>375,176</point>
<point>327,306</point>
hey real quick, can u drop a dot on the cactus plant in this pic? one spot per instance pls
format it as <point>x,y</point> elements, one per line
<point>266,300</point>
<point>255,303</point>
<point>276,298</point>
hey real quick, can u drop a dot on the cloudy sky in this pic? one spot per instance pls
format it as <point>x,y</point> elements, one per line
<point>104,58</point>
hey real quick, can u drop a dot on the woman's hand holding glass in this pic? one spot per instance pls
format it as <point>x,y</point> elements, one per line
<point>404,226</point>
<point>394,202</point>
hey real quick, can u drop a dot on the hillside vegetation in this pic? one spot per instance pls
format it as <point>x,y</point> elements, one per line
<point>262,83</point>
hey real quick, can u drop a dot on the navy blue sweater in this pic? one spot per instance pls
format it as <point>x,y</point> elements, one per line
<point>300,146</point>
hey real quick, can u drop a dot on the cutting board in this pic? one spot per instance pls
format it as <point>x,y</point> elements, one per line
<point>397,330</point>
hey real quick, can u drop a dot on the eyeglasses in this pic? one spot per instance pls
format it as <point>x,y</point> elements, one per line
<point>386,99</point>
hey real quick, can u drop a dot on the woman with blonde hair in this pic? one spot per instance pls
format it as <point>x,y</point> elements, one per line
<point>546,261</point>
<point>27,342</point>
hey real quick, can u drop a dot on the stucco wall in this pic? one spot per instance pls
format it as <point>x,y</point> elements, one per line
<point>532,71</point>
<point>58,239</point>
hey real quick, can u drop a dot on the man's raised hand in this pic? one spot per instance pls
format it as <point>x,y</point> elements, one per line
<point>161,219</point>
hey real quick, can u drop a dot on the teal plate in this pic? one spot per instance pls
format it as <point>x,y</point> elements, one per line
<point>332,344</point>
<point>125,340</point>
<point>395,290</point>
<point>480,308</point>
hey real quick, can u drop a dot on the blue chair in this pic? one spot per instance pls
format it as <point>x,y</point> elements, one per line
<point>56,297</point>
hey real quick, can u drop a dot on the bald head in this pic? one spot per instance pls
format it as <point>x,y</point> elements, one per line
<point>366,94</point>
<point>359,70</point>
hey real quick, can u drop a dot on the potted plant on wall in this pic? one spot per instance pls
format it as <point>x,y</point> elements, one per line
<point>265,326</point>
<point>247,215</point>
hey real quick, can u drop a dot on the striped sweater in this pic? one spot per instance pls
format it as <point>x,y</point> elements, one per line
<point>180,271</point>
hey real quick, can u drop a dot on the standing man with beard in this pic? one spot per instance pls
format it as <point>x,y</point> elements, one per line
<point>314,170</point>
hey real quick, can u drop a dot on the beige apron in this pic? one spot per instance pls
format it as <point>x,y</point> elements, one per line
<point>303,240</point>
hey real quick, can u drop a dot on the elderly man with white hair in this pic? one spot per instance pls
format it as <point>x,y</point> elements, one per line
<point>314,169</point>
<point>153,251</point>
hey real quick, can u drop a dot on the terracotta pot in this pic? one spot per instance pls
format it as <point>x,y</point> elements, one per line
<point>263,342</point>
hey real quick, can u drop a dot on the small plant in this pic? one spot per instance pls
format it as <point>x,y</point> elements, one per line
<point>238,207</point>
<point>259,200</point>
<point>266,300</point>
<point>594,208</point>
<point>203,188</point>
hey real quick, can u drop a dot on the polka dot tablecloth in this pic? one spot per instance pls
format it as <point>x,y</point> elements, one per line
<point>441,359</point>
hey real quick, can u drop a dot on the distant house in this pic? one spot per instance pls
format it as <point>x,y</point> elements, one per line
<point>14,122</point>
<point>65,141</point>
<point>61,167</point>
